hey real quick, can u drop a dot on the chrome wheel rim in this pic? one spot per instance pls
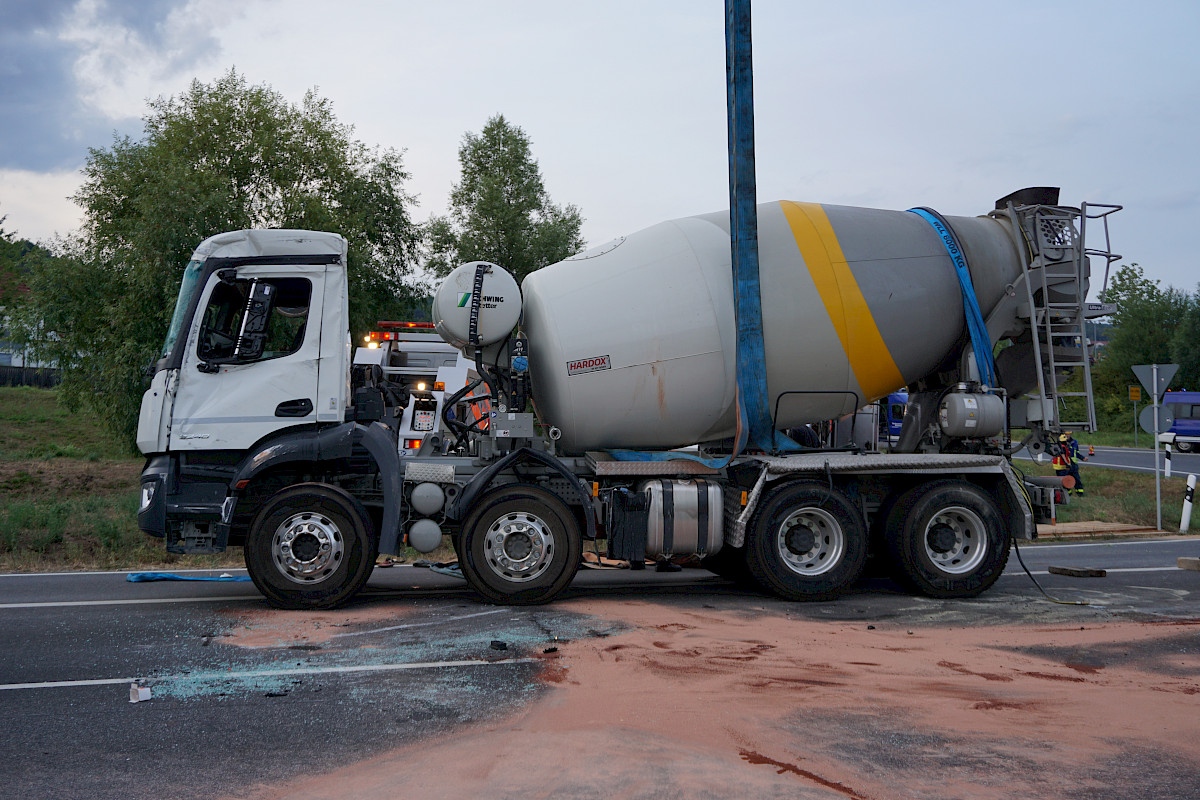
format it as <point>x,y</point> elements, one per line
<point>955,540</point>
<point>810,542</point>
<point>307,547</point>
<point>518,547</point>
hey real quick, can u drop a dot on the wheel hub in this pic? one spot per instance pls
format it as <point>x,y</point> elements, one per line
<point>518,547</point>
<point>810,541</point>
<point>307,547</point>
<point>942,538</point>
<point>956,540</point>
<point>801,540</point>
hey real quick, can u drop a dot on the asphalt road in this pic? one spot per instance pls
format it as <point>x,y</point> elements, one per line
<point>241,699</point>
<point>1135,459</point>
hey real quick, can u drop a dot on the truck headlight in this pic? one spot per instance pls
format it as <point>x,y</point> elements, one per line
<point>148,490</point>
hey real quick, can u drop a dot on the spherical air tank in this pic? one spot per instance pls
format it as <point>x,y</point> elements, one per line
<point>631,344</point>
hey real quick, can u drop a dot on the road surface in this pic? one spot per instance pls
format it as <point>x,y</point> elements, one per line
<point>407,691</point>
<point>1135,460</point>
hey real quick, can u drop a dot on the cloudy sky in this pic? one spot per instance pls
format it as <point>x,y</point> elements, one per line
<point>883,104</point>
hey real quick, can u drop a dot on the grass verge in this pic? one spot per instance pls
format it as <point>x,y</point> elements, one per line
<point>69,493</point>
<point>1114,495</point>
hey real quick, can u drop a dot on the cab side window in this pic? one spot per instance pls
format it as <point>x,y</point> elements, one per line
<point>286,327</point>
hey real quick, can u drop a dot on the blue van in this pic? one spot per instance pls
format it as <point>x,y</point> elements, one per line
<point>1186,407</point>
<point>891,420</point>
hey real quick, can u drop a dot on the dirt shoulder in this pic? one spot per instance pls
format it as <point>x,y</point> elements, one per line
<point>63,478</point>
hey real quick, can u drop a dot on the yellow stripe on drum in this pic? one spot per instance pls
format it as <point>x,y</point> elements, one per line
<point>873,365</point>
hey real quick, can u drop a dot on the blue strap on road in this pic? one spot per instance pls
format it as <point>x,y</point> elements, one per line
<point>139,577</point>
<point>981,342</point>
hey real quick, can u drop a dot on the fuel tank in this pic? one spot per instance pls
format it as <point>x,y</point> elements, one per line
<point>632,342</point>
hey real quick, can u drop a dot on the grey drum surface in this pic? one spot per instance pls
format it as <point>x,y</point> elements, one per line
<point>632,344</point>
<point>685,518</point>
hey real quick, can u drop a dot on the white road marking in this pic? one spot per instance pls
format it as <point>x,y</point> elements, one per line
<point>268,673</point>
<point>114,572</point>
<point>445,621</point>
<point>140,601</point>
<point>1174,539</point>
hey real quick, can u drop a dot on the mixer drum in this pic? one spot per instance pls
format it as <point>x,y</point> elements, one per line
<point>632,342</point>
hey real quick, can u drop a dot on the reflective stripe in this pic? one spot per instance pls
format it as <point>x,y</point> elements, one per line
<point>869,357</point>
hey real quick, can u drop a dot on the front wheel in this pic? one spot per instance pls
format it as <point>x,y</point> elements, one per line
<point>947,539</point>
<point>806,542</point>
<point>1184,447</point>
<point>520,545</point>
<point>310,546</point>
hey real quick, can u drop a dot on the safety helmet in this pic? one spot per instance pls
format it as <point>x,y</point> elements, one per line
<point>1064,437</point>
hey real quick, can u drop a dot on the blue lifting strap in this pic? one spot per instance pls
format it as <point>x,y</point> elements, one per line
<point>981,342</point>
<point>756,423</point>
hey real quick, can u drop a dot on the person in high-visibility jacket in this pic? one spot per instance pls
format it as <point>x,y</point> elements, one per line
<point>1067,460</point>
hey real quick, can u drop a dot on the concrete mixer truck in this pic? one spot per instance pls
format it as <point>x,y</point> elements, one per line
<point>612,413</point>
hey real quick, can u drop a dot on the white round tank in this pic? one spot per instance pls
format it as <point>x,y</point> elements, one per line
<point>499,305</point>
<point>631,344</point>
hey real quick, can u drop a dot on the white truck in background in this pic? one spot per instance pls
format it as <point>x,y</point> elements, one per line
<point>562,419</point>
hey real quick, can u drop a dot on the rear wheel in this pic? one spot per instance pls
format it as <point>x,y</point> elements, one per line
<point>1184,447</point>
<point>806,542</point>
<point>520,545</point>
<point>310,546</point>
<point>947,539</point>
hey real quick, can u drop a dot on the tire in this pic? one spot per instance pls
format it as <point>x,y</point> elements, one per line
<point>807,541</point>
<point>520,545</point>
<point>1184,447</point>
<point>310,546</point>
<point>947,539</point>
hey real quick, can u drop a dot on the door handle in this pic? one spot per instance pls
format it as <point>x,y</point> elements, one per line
<point>294,408</point>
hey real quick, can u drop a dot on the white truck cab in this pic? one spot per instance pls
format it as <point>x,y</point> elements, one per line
<point>253,346</point>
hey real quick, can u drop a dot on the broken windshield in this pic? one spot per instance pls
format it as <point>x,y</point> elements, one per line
<point>187,290</point>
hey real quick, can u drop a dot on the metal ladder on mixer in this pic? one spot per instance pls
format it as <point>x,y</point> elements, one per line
<point>1057,267</point>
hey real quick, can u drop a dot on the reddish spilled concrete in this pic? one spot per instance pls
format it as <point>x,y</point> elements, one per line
<point>702,702</point>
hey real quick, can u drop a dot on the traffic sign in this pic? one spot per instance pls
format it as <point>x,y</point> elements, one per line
<point>1166,418</point>
<point>1135,394</point>
<point>1145,374</point>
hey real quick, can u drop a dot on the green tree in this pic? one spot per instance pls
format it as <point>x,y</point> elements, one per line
<point>221,156</point>
<point>19,327</point>
<point>499,210</point>
<point>12,268</point>
<point>1142,331</point>
<point>1185,346</point>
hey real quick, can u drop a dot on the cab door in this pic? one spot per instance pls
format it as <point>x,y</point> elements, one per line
<point>231,395</point>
